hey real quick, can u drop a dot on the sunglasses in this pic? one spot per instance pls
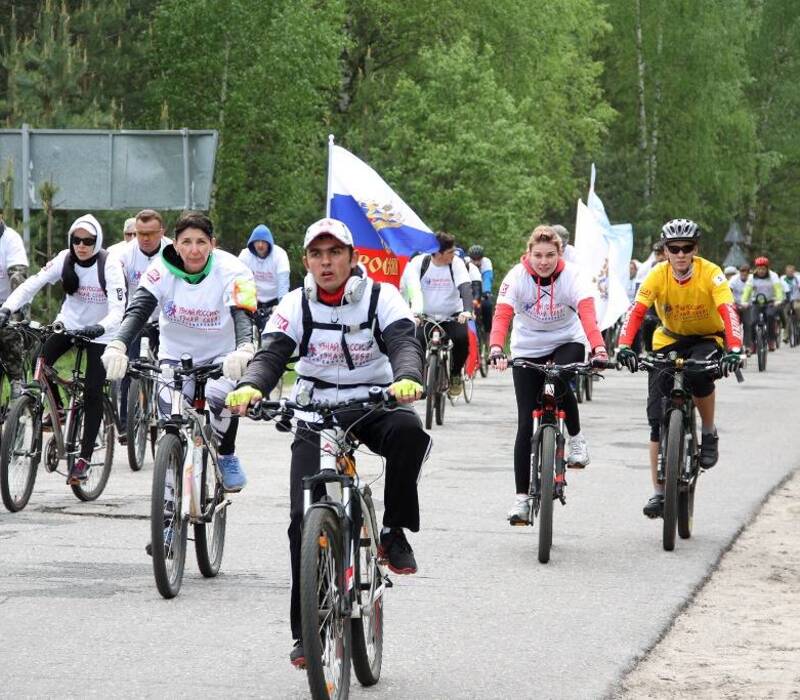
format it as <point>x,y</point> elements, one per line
<point>88,242</point>
<point>686,249</point>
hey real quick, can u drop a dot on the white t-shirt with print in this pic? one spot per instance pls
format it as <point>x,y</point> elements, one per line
<point>196,318</point>
<point>266,270</point>
<point>89,305</point>
<point>12,252</point>
<point>325,360</point>
<point>440,294</point>
<point>135,263</point>
<point>545,317</point>
<point>474,273</point>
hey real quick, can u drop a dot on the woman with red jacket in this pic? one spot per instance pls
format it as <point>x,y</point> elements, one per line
<point>552,306</point>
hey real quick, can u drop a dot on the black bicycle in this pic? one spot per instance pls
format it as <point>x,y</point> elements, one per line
<point>342,579</point>
<point>792,325</point>
<point>548,481</point>
<point>21,450</point>
<point>142,408</point>
<point>679,449</point>
<point>438,352</point>
<point>761,329</point>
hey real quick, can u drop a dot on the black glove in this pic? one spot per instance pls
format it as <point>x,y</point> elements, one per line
<point>494,356</point>
<point>730,362</point>
<point>627,357</point>
<point>5,314</point>
<point>94,331</point>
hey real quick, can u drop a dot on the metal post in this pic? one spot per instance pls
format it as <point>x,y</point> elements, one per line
<point>330,180</point>
<point>25,170</point>
<point>187,184</point>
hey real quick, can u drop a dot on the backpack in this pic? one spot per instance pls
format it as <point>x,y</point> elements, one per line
<point>309,324</point>
<point>426,263</point>
<point>101,269</point>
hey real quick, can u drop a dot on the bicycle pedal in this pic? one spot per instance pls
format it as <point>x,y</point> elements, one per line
<point>387,582</point>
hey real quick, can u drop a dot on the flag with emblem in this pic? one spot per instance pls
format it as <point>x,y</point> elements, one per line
<point>386,231</point>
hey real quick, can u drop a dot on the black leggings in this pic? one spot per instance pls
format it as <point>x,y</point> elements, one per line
<point>528,385</point>
<point>54,347</point>
<point>457,332</point>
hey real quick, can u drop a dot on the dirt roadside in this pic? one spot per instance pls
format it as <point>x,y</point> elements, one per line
<point>740,636</point>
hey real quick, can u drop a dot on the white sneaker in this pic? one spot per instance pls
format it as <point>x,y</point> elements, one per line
<point>578,452</point>
<point>520,512</point>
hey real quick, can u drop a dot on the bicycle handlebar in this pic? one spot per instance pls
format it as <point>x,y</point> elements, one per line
<point>140,367</point>
<point>267,410</point>
<point>572,368</point>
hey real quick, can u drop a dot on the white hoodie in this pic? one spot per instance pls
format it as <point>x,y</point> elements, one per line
<point>89,304</point>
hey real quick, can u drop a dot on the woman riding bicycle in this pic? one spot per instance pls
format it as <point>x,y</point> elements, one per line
<point>552,307</point>
<point>94,302</point>
<point>202,294</point>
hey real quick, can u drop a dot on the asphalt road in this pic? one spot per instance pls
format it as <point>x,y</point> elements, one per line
<point>80,614</point>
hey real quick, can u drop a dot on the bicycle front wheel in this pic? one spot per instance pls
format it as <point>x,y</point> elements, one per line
<point>547,461</point>
<point>368,628</point>
<point>102,455</point>
<point>326,633</point>
<point>468,382</point>
<point>673,460</point>
<point>138,422</point>
<point>209,537</point>
<point>588,387</point>
<point>431,389</point>
<point>761,348</point>
<point>20,453</point>
<point>168,528</point>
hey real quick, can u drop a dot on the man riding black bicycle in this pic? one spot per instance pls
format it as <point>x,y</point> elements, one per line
<point>350,334</point>
<point>698,318</point>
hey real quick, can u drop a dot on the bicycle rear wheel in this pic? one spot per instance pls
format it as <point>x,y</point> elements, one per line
<point>209,538</point>
<point>673,461</point>
<point>102,456</point>
<point>168,529</point>
<point>483,354</point>
<point>138,422</point>
<point>431,389</point>
<point>588,387</point>
<point>20,453</point>
<point>326,633</point>
<point>367,632</point>
<point>547,461</point>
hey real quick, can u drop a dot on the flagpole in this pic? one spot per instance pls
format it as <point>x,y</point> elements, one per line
<point>330,179</point>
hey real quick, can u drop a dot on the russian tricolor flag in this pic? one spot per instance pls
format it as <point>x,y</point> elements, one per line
<point>386,231</point>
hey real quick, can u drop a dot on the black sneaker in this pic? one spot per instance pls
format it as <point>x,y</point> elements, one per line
<point>654,508</point>
<point>298,655</point>
<point>709,453</point>
<point>396,552</point>
<point>79,472</point>
<point>122,438</point>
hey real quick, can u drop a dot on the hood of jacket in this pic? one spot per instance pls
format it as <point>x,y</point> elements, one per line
<point>88,223</point>
<point>260,233</point>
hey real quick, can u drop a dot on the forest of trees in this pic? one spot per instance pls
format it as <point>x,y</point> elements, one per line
<point>485,117</point>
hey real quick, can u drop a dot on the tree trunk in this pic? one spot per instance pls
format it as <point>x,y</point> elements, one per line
<point>642,69</point>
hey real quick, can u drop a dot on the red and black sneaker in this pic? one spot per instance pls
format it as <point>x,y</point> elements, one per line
<point>395,551</point>
<point>298,654</point>
<point>79,472</point>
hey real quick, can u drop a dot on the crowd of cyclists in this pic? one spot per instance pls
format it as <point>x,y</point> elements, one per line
<point>347,333</point>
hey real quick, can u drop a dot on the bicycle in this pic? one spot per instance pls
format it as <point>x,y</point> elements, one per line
<point>341,575</point>
<point>761,330</point>
<point>792,325</point>
<point>142,409</point>
<point>548,466</point>
<point>679,450</point>
<point>21,449</point>
<point>438,349</point>
<point>483,344</point>
<point>187,486</point>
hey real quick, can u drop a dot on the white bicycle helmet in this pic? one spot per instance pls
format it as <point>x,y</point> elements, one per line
<point>680,230</point>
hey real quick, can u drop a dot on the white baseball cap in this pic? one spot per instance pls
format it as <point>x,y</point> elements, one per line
<point>332,227</point>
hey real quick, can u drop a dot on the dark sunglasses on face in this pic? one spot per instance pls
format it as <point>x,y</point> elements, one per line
<point>686,249</point>
<point>88,242</point>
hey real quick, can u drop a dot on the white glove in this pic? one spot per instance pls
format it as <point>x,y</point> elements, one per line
<point>464,316</point>
<point>115,360</point>
<point>234,364</point>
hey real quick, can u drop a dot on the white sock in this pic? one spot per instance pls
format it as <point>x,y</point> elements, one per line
<point>522,497</point>
<point>579,434</point>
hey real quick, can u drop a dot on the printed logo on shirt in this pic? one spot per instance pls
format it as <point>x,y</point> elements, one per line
<point>120,294</point>
<point>718,279</point>
<point>91,295</point>
<point>263,276</point>
<point>504,288</point>
<point>544,312</point>
<point>686,312</point>
<point>192,317</point>
<point>330,353</point>
<point>437,283</point>
<point>278,322</point>
<point>154,276</point>
<point>646,293</point>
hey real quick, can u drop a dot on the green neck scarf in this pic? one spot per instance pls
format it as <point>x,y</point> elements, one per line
<point>190,277</point>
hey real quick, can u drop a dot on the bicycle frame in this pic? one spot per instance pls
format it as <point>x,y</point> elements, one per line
<point>438,343</point>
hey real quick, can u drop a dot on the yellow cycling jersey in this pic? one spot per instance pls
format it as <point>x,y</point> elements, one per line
<point>689,308</point>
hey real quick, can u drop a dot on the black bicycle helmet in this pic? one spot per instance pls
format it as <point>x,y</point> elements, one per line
<point>475,251</point>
